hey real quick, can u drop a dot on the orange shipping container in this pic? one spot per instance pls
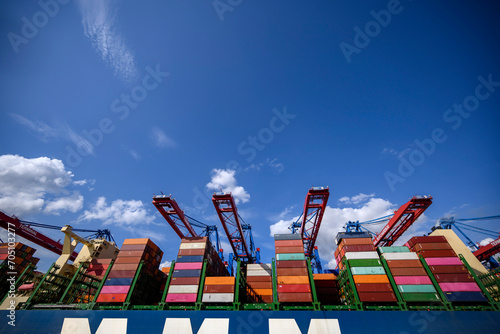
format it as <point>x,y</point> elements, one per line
<point>294,279</point>
<point>370,279</point>
<point>324,277</point>
<point>227,280</point>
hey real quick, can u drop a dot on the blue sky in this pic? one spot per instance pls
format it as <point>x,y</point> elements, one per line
<point>105,103</point>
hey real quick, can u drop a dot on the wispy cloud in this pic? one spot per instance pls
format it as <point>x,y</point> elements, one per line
<point>161,139</point>
<point>276,166</point>
<point>99,19</point>
<point>393,152</point>
<point>42,131</point>
<point>133,153</point>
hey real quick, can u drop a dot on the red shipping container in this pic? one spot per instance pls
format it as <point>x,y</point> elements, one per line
<point>432,246</point>
<point>429,239</point>
<point>288,243</point>
<point>355,241</point>
<point>301,297</point>
<point>325,283</point>
<point>286,250</point>
<point>448,269</point>
<point>443,278</point>
<point>125,266</point>
<point>377,297</point>
<point>294,288</point>
<point>133,248</point>
<point>437,253</point>
<point>326,291</point>
<point>127,259</point>
<point>112,298</point>
<point>404,264</point>
<point>258,279</point>
<point>292,271</point>
<point>408,272</point>
<point>185,281</point>
<point>260,285</point>
<point>218,289</point>
<point>291,264</point>
<point>191,252</point>
<point>373,287</point>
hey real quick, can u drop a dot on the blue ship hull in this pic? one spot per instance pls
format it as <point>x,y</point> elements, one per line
<point>246,322</point>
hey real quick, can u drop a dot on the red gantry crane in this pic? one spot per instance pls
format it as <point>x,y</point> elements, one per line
<point>238,233</point>
<point>178,220</point>
<point>309,222</point>
<point>402,219</point>
<point>23,229</point>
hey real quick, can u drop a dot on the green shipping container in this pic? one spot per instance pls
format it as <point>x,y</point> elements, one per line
<point>368,270</point>
<point>393,249</point>
<point>290,256</point>
<point>365,263</point>
<point>420,297</point>
<point>422,288</point>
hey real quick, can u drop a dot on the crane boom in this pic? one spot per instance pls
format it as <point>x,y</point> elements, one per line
<point>174,216</point>
<point>485,252</point>
<point>28,233</point>
<point>403,218</point>
<point>314,208</point>
<point>228,215</point>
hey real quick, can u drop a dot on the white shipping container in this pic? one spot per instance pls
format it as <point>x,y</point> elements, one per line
<point>255,266</point>
<point>183,289</point>
<point>193,245</point>
<point>361,255</point>
<point>218,298</point>
<point>400,256</point>
<point>259,272</point>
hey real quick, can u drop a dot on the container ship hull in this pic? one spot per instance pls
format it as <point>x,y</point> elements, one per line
<point>261,322</point>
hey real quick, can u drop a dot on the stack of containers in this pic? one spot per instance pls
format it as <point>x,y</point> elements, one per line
<point>98,267</point>
<point>409,274</point>
<point>259,283</point>
<point>448,270</point>
<point>291,269</point>
<point>218,289</point>
<point>120,278</point>
<point>370,278</point>
<point>327,289</point>
<point>22,257</point>
<point>187,271</point>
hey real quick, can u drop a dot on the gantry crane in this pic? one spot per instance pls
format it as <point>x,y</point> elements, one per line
<point>482,253</point>
<point>398,223</point>
<point>309,222</point>
<point>238,232</point>
<point>183,225</point>
<point>24,229</point>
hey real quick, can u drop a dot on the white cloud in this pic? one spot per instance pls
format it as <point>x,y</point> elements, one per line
<point>29,185</point>
<point>161,139</point>
<point>100,26</point>
<point>335,218</point>
<point>120,213</point>
<point>356,199</point>
<point>486,241</point>
<point>165,264</point>
<point>223,179</point>
<point>71,203</point>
